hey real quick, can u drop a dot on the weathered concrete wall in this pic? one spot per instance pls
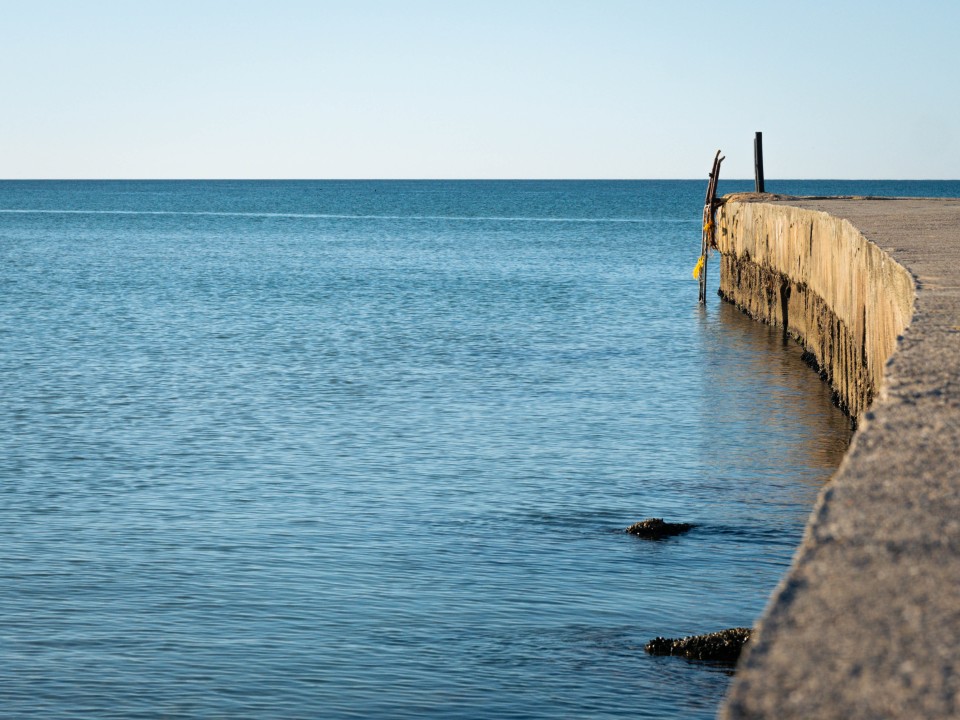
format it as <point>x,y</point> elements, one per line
<point>816,275</point>
<point>866,623</point>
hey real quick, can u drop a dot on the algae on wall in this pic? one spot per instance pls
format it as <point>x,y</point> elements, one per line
<point>840,295</point>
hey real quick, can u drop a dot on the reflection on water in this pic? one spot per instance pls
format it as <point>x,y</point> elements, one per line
<point>786,396</point>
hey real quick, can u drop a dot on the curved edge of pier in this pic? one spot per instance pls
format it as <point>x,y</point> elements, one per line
<point>866,622</point>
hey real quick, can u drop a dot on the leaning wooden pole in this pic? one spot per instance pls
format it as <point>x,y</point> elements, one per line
<point>706,240</point>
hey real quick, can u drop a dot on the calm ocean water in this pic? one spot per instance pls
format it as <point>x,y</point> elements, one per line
<point>366,449</point>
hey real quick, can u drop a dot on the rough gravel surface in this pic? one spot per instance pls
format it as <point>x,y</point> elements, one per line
<point>867,622</point>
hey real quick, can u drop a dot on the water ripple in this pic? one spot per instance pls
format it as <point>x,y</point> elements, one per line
<point>381,466</point>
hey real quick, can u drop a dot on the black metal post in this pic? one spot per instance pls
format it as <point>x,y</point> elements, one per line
<point>758,161</point>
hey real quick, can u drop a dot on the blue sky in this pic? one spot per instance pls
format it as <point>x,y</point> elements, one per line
<point>486,89</point>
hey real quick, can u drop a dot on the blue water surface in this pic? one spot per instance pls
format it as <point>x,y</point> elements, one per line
<point>367,449</point>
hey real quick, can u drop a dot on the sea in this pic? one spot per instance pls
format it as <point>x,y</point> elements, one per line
<point>367,449</point>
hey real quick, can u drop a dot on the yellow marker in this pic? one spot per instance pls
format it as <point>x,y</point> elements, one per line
<point>698,268</point>
<point>708,227</point>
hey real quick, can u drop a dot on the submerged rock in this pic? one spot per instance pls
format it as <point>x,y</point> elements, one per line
<point>656,528</point>
<point>724,645</point>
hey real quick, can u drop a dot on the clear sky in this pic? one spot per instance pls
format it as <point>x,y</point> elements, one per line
<point>477,89</point>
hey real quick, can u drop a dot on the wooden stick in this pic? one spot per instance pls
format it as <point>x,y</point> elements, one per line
<point>707,216</point>
<point>707,236</point>
<point>758,161</point>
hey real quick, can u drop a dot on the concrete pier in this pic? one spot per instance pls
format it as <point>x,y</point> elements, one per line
<point>866,624</point>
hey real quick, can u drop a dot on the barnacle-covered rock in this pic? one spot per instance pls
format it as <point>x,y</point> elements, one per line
<point>656,528</point>
<point>724,646</point>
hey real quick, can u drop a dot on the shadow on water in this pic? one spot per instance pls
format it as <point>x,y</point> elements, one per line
<point>785,397</point>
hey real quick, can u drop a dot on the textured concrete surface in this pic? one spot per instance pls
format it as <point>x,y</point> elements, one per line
<point>866,624</point>
<point>816,274</point>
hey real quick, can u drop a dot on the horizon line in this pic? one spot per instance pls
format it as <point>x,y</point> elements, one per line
<point>462,179</point>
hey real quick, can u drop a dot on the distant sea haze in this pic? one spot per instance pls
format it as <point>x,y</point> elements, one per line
<point>359,449</point>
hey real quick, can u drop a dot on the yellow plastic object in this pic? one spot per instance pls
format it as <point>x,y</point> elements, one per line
<point>698,268</point>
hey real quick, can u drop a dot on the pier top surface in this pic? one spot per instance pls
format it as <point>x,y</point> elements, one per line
<point>867,622</point>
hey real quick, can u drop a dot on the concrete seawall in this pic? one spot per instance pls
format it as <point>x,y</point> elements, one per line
<point>817,276</point>
<point>866,624</point>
